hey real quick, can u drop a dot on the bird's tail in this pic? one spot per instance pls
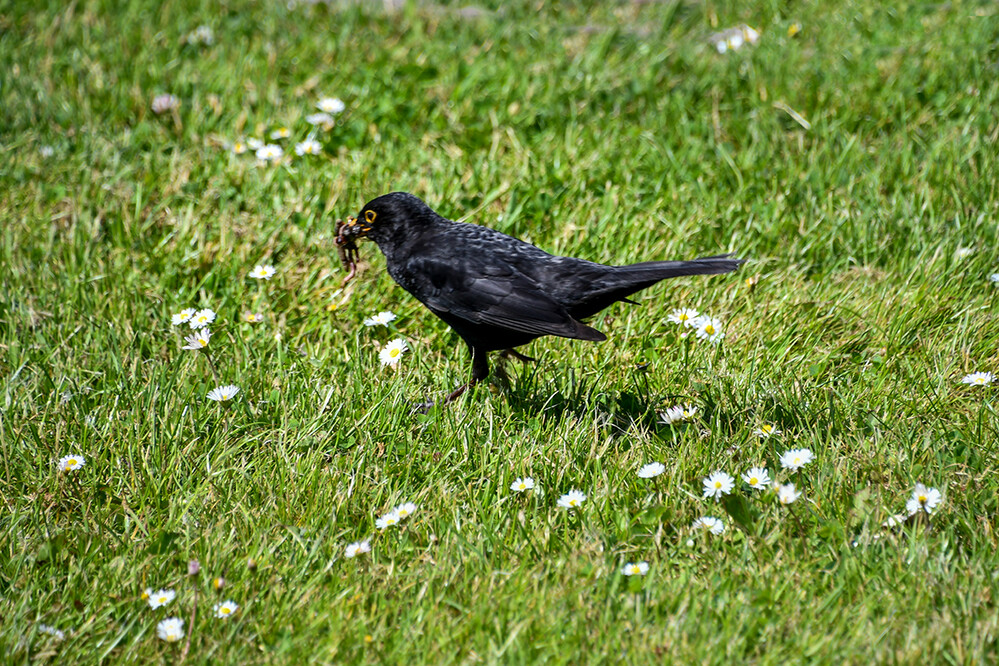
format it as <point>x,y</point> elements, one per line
<point>649,272</point>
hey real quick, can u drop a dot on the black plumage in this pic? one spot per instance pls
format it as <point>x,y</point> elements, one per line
<point>495,291</point>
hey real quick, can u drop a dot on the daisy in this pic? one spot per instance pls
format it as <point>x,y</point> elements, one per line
<point>223,393</point>
<point>254,144</point>
<point>323,119</point>
<point>182,317</point>
<point>923,499</point>
<point>635,568</point>
<point>895,521</point>
<point>218,583</point>
<point>717,484</point>
<point>572,500</point>
<point>357,548</point>
<point>332,105</point>
<point>201,318</point>
<point>994,278</point>
<point>388,520</point>
<point>262,272</point>
<point>405,510</point>
<point>381,319</point>
<point>46,152</point>
<point>796,458</point>
<point>171,629</point>
<point>978,379</point>
<point>238,148</point>
<point>198,340</point>
<point>709,524</point>
<point>786,494</point>
<point>225,609</point>
<point>522,484</point>
<point>768,430</point>
<point>51,631</point>
<point>161,598</point>
<point>677,414</point>
<point>651,470</point>
<point>392,352</point>
<point>709,328</point>
<point>308,147</point>
<point>269,153</point>
<point>202,35</point>
<point>963,252</point>
<point>757,478</point>
<point>683,316</point>
<point>71,463</point>
<point>280,133</point>
<point>164,103</point>
<point>253,317</point>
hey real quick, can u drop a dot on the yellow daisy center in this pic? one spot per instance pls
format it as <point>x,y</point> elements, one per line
<point>709,329</point>
<point>753,481</point>
<point>394,352</point>
<point>718,484</point>
<point>71,462</point>
<point>923,499</point>
<point>767,428</point>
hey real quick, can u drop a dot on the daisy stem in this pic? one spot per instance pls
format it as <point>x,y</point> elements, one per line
<point>190,628</point>
<point>211,366</point>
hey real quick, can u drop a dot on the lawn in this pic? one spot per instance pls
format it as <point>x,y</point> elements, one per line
<point>849,156</point>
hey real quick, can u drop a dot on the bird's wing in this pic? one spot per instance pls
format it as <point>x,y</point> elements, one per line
<point>493,294</point>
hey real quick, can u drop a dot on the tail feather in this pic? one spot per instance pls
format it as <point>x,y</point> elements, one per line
<point>619,282</point>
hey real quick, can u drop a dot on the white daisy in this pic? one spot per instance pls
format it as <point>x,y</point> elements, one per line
<point>280,133</point>
<point>388,520</point>
<point>203,34</point>
<point>796,458</point>
<point>46,152</point>
<point>262,272</point>
<point>238,148</point>
<point>308,147</point>
<point>357,548</point>
<point>522,484</point>
<point>717,484</point>
<point>684,317</point>
<point>71,463</point>
<point>253,317</point>
<point>572,500</point>
<point>381,319</point>
<point>392,352</point>
<point>161,598</point>
<point>923,499</point>
<point>709,524</point>
<point>786,493</point>
<point>768,430</point>
<point>164,103</point>
<point>757,478</point>
<point>182,317</point>
<point>677,414</point>
<point>978,379</point>
<point>201,318</point>
<point>994,278</point>
<point>963,252</point>
<point>651,470</point>
<point>223,393</point>
<point>331,105</point>
<point>635,568</point>
<point>198,340</point>
<point>225,609</point>
<point>405,510</point>
<point>171,629</point>
<point>323,119</point>
<point>51,631</point>
<point>254,144</point>
<point>269,153</point>
<point>710,329</point>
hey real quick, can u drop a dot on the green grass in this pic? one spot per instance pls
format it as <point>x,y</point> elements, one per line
<point>612,132</point>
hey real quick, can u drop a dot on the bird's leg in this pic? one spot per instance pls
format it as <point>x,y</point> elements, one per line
<point>523,358</point>
<point>480,370</point>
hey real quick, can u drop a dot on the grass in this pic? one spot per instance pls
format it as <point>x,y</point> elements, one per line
<point>610,131</point>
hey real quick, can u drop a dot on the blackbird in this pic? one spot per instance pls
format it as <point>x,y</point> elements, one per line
<point>495,291</point>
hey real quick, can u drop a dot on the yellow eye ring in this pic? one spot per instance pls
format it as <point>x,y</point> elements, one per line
<point>369,215</point>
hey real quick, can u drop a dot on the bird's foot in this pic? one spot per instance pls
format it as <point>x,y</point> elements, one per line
<point>513,353</point>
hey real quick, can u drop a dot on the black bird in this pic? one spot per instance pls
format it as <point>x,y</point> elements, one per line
<point>495,291</point>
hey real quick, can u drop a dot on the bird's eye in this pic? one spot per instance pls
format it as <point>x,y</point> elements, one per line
<point>369,215</point>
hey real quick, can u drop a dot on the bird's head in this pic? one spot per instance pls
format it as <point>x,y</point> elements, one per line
<point>386,218</point>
